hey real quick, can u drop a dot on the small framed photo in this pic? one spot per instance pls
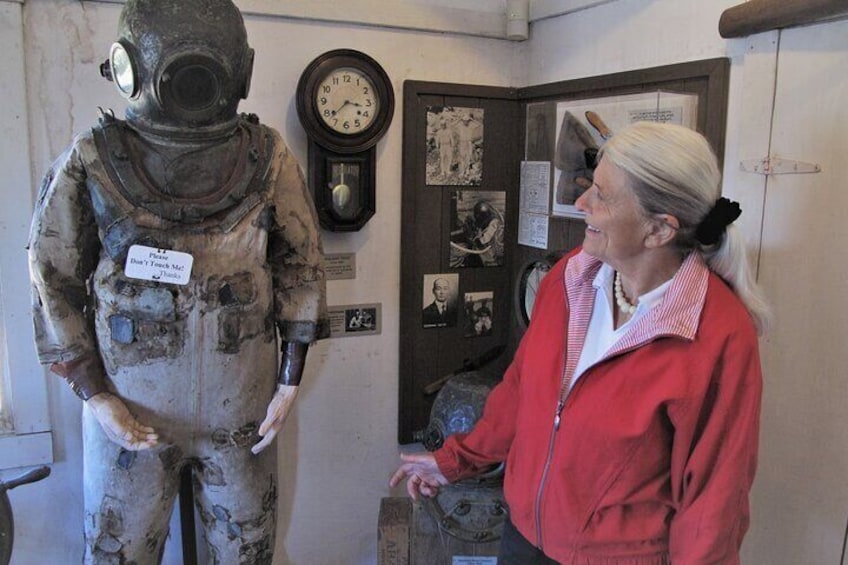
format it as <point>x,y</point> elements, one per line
<point>352,320</point>
<point>439,300</point>
<point>477,228</point>
<point>479,313</point>
<point>454,146</point>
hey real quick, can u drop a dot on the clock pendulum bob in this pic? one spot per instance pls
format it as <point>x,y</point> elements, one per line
<point>342,187</point>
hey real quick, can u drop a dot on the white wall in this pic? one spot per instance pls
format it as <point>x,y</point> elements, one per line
<point>339,446</point>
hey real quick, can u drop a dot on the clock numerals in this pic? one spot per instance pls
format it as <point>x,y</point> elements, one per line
<point>346,102</point>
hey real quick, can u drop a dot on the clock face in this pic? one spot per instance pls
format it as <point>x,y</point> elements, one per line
<point>347,101</point>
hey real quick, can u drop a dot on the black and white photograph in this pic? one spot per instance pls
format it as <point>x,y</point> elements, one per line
<point>439,300</point>
<point>584,125</point>
<point>478,313</point>
<point>360,319</point>
<point>355,320</point>
<point>477,228</point>
<point>454,146</point>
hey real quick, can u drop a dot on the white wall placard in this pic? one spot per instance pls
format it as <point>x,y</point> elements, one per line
<point>339,266</point>
<point>533,230</point>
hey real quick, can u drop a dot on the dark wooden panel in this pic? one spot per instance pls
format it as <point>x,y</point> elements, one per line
<point>427,354</point>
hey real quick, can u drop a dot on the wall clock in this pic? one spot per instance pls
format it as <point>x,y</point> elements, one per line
<point>345,102</point>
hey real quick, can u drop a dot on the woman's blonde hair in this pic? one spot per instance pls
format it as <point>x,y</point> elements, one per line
<point>674,171</point>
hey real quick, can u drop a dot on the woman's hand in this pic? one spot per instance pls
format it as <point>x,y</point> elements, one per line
<point>275,416</point>
<point>120,426</point>
<point>422,475</point>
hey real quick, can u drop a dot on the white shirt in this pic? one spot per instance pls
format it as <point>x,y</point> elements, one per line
<point>602,335</point>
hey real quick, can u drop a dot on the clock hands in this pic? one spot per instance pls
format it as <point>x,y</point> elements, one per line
<point>345,103</point>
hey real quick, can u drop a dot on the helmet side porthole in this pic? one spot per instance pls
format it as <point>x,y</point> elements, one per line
<point>123,71</point>
<point>182,65</point>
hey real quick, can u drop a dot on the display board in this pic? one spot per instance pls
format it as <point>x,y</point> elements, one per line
<point>458,214</point>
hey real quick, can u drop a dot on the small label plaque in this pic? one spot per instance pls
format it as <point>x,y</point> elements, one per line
<point>338,266</point>
<point>477,560</point>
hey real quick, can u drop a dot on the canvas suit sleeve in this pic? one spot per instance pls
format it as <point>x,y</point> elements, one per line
<point>63,253</point>
<point>295,256</point>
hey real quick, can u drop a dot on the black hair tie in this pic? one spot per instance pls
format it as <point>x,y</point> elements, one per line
<point>712,227</point>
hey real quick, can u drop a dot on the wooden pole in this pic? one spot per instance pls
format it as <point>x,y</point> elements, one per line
<point>757,16</point>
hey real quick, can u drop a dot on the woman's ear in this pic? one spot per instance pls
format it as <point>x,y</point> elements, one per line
<point>663,230</point>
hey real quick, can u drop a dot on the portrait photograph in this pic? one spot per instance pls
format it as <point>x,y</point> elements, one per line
<point>478,313</point>
<point>439,300</point>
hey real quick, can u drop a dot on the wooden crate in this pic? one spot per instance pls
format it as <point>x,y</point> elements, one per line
<point>393,531</point>
<point>408,535</point>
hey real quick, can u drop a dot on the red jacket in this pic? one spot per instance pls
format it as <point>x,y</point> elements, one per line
<point>657,445</point>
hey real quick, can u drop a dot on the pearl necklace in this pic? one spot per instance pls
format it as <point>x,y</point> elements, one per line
<point>623,304</point>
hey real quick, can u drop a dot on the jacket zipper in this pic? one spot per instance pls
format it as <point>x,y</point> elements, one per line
<point>565,391</point>
<point>557,418</point>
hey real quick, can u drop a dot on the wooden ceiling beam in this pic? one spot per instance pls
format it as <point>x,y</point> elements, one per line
<point>758,16</point>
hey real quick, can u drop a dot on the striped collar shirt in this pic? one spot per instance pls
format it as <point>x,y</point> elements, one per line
<point>677,314</point>
<point>602,333</point>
